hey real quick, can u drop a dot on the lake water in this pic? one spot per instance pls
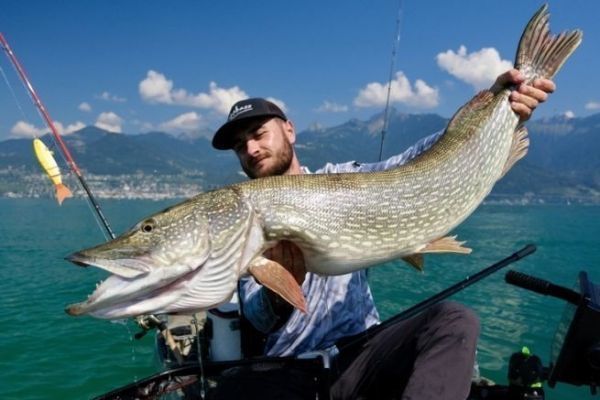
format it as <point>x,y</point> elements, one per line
<point>45,354</point>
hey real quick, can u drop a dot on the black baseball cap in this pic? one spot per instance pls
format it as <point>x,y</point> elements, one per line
<point>244,110</point>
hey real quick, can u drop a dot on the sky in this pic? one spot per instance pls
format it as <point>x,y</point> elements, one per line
<point>137,66</point>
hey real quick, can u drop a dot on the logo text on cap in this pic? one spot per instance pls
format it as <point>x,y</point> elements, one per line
<point>239,110</point>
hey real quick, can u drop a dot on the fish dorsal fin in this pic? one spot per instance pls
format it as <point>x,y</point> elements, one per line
<point>274,276</point>
<point>447,244</point>
<point>518,148</point>
<point>415,260</point>
<point>468,116</point>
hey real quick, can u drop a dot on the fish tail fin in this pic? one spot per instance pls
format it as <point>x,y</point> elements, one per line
<point>62,192</point>
<point>541,54</point>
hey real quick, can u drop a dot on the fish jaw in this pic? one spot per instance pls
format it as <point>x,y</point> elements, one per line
<point>124,267</point>
<point>119,297</point>
<point>154,293</point>
<point>136,276</point>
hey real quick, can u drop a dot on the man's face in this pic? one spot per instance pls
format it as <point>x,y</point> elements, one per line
<point>264,147</point>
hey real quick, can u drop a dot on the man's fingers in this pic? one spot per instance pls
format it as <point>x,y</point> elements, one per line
<point>295,252</point>
<point>533,92</point>
<point>525,99</point>
<point>545,85</point>
<point>290,256</point>
<point>294,260</point>
<point>522,110</point>
<point>512,76</point>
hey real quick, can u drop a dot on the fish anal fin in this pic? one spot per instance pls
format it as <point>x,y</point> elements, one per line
<point>62,192</point>
<point>274,276</point>
<point>447,244</point>
<point>415,260</point>
<point>518,148</point>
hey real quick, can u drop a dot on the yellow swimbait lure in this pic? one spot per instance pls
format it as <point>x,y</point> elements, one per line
<point>48,164</point>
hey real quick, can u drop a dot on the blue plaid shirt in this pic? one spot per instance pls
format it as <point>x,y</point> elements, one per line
<point>337,306</point>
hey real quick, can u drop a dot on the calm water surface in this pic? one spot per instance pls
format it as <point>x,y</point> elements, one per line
<point>48,355</point>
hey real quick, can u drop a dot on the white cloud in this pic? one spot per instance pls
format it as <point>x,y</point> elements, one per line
<point>24,129</point>
<point>569,114</point>
<point>332,107</point>
<point>74,127</point>
<point>277,102</point>
<point>109,121</point>
<point>592,105</point>
<point>156,88</point>
<point>111,97</point>
<point>419,95</point>
<point>85,107</point>
<point>479,69</point>
<point>188,122</point>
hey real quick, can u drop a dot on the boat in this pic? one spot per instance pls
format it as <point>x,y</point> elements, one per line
<point>216,354</point>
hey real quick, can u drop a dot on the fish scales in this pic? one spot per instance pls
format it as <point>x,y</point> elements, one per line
<point>190,257</point>
<point>331,207</point>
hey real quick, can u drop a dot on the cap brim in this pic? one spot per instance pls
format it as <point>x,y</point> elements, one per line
<point>224,137</point>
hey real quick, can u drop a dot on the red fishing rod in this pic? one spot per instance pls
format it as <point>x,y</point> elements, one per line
<point>149,321</point>
<point>65,151</point>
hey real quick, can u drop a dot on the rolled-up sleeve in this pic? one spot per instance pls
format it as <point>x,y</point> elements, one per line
<point>257,306</point>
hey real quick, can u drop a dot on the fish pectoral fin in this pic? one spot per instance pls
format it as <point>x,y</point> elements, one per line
<point>415,260</point>
<point>447,244</point>
<point>276,277</point>
<point>518,149</point>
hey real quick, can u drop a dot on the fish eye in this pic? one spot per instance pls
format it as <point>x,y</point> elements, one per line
<point>148,225</point>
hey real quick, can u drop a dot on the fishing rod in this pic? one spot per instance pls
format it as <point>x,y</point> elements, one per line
<point>46,116</point>
<point>145,319</point>
<point>391,77</point>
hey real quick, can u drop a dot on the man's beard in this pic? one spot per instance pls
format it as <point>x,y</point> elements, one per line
<point>283,160</point>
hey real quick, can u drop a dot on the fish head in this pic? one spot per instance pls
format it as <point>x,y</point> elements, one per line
<point>151,265</point>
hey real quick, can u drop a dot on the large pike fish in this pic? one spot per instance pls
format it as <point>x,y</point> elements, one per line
<point>189,257</point>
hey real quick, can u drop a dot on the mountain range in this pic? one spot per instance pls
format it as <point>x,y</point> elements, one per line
<point>563,161</point>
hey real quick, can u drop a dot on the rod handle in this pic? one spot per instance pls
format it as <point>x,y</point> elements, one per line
<point>541,286</point>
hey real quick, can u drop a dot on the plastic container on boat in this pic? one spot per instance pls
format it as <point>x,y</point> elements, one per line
<point>225,343</point>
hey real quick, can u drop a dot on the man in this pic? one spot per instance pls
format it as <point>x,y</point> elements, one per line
<point>426,357</point>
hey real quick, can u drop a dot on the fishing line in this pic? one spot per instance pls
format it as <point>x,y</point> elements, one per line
<point>12,92</point>
<point>391,78</point>
<point>53,145</point>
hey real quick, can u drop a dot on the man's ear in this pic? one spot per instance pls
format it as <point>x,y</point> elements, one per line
<point>290,131</point>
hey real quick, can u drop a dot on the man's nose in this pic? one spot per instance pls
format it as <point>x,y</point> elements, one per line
<point>251,146</point>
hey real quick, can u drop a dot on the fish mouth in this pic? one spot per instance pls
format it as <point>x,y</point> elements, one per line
<point>119,297</point>
<point>78,259</point>
<point>132,281</point>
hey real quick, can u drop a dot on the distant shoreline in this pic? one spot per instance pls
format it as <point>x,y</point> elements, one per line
<point>492,200</point>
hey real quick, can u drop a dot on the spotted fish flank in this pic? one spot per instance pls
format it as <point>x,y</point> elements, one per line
<point>190,257</point>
